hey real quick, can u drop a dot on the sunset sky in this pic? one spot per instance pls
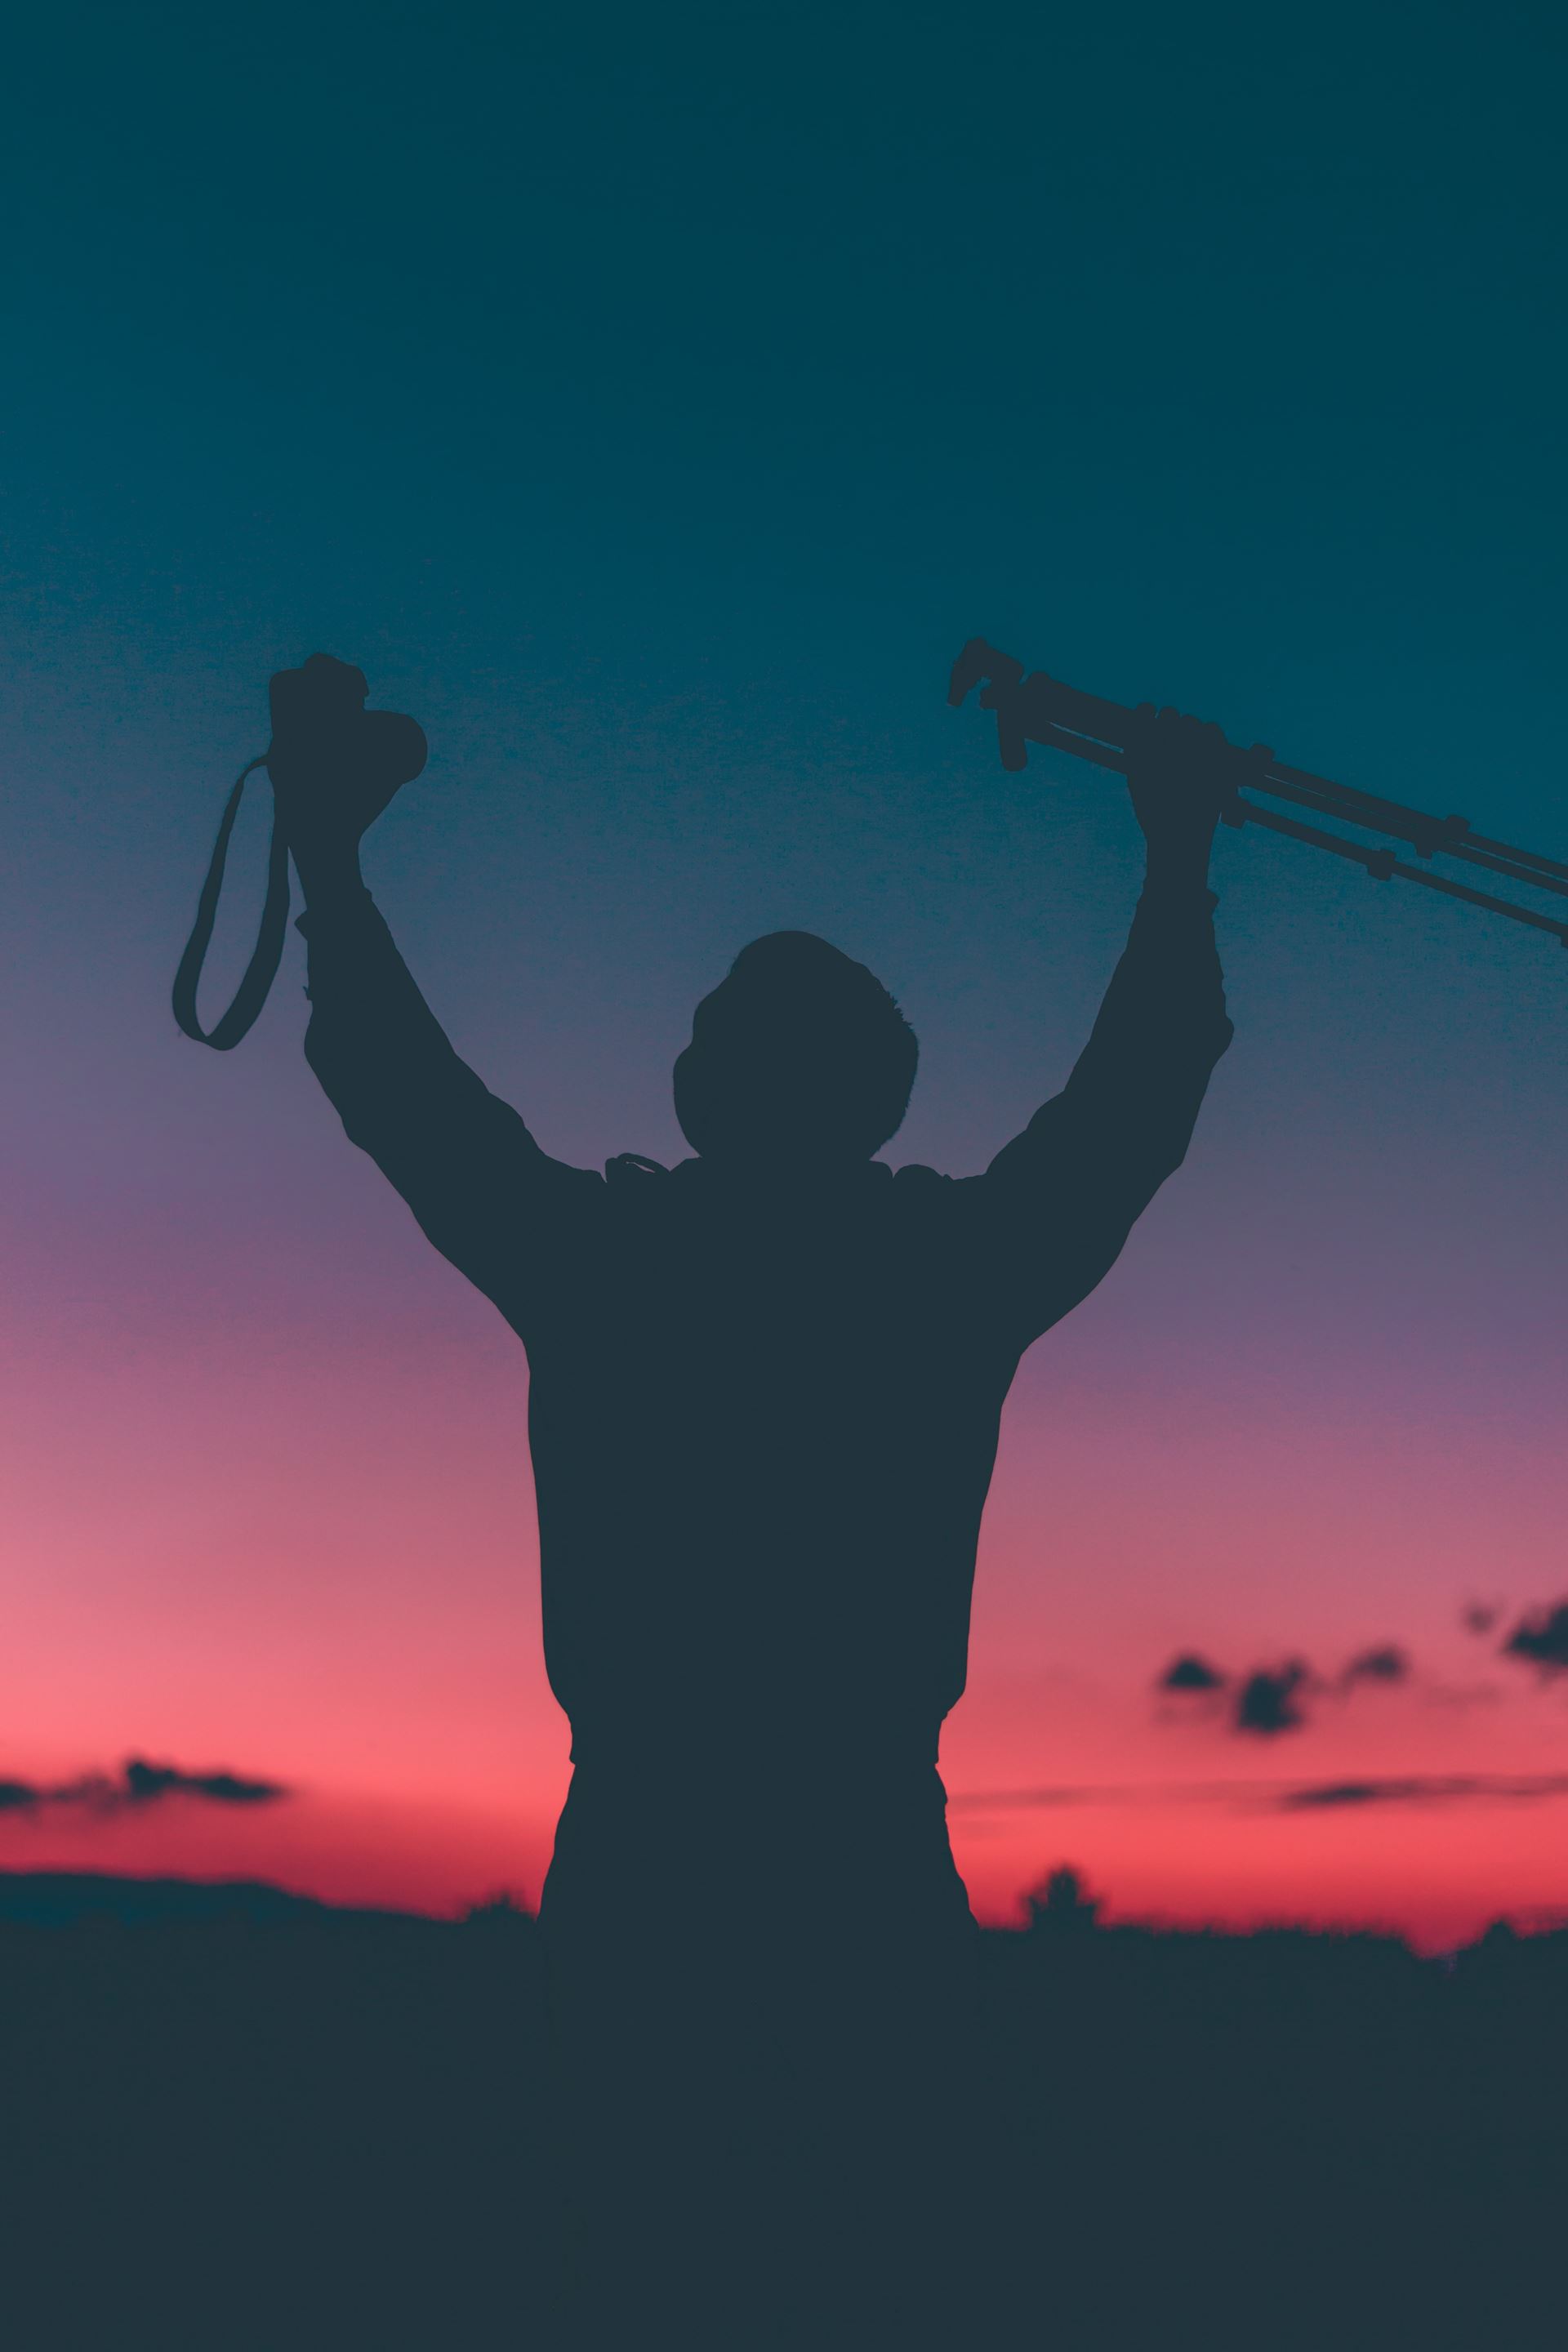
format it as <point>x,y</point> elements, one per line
<point>653,402</point>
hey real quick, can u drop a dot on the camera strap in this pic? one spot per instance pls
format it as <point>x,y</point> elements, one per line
<point>268,954</point>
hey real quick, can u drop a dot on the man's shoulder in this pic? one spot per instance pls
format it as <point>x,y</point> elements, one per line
<point>918,1182</point>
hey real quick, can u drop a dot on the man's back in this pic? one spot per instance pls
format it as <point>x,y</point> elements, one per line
<point>763,1415</point>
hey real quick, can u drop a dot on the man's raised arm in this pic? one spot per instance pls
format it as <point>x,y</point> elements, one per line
<point>1069,1188</point>
<point>467,1167</point>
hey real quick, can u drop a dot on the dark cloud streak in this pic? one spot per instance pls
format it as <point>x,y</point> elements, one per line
<point>1430,1788</point>
<point>137,1785</point>
<point>1282,1796</point>
<point>144,1782</point>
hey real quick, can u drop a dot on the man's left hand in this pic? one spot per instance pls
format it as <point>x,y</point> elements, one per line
<point>1182,776</point>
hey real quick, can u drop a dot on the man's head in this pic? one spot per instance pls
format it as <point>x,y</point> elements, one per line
<point>798,1054</point>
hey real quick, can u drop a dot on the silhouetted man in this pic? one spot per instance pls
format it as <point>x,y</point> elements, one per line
<point>765,1393</point>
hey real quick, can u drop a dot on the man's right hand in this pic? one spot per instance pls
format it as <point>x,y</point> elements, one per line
<point>334,765</point>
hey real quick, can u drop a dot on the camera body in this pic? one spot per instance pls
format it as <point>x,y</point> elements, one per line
<point>321,729</point>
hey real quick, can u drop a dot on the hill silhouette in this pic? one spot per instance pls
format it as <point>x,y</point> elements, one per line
<point>67,1898</point>
<point>235,2117</point>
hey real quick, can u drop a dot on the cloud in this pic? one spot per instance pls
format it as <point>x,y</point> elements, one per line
<point>144,1782</point>
<point>1268,1701</point>
<point>137,1785</point>
<point>1385,1664</point>
<point>1281,1796</point>
<point>1478,1617</point>
<point>985,1800</point>
<point>1423,1790</point>
<point>1541,1637</point>
<point>1191,1673</point>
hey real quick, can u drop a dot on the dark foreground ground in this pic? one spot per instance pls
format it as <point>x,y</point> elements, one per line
<point>246,2123</point>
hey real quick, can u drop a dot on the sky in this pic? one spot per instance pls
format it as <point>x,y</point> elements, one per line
<point>653,402</point>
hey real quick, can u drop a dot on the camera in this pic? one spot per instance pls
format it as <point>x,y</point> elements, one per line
<point>319,716</point>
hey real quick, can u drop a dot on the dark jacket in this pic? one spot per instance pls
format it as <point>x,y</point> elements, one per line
<point>763,1414</point>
